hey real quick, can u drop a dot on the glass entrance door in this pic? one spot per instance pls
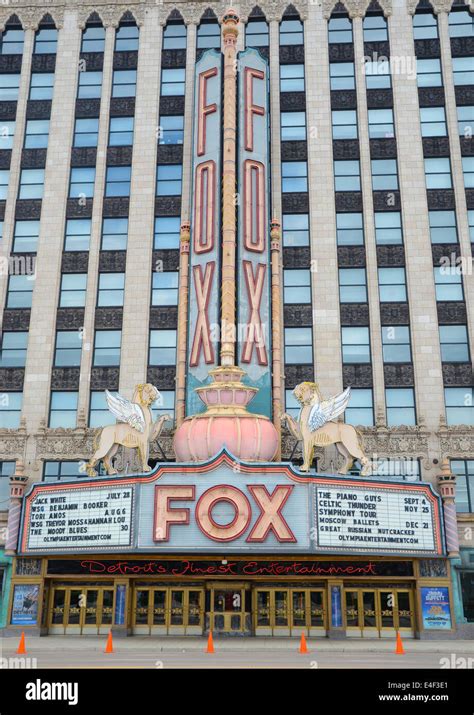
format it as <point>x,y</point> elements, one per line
<point>168,610</point>
<point>228,613</point>
<point>80,610</point>
<point>286,612</point>
<point>379,613</point>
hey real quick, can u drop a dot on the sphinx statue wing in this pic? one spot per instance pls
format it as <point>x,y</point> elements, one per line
<point>126,411</point>
<point>326,410</point>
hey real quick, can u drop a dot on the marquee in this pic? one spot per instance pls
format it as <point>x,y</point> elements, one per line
<point>228,506</point>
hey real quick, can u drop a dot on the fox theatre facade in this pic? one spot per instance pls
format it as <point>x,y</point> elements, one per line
<point>239,550</point>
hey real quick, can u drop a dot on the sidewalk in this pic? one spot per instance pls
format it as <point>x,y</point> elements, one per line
<point>78,644</point>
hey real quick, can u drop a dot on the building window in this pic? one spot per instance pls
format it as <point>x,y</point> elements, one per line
<point>466,121</point>
<point>462,71</point>
<point>454,343</point>
<point>428,73</point>
<point>9,87</point>
<point>73,290</point>
<point>78,234</point>
<point>296,285</point>
<point>396,343</point>
<point>174,36</point>
<point>167,230</point>
<point>342,75</point>
<point>377,74</point>
<point>126,38</point>
<point>86,132</point>
<point>41,85</point>
<point>37,134</point>
<point>291,78</point>
<point>425,26</point>
<point>339,30</point>
<point>295,230</point>
<point>291,32</point>
<point>68,348</point>
<point>438,173</point>
<point>433,122</point>
<point>4,179</point>
<point>117,182</point>
<point>7,134</point>
<point>392,285</point>
<point>400,403</point>
<point>347,175</point>
<point>63,409</point>
<point>172,82</point>
<point>384,175</point>
<point>360,410</point>
<point>375,28</point>
<point>124,83</point>
<point>443,227</point>
<point>293,126</point>
<point>54,471</point>
<point>355,345</point>
<point>209,35</point>
<point>121,131</point>
<point>111,289</point>
<point>344,124</point>
<point>292,406</point>
<point>171,129</point>
<point>298,346</point>
<point>82,182</point>
<point>352,285</point>
<point>168,179</point>
<point>459,405</point>
<point>294,176</point>
<point>13,348</point>
<point>10,409</point>
<point>470,218</point>
<point>388,228</point>
<point>256,33</point>
<point>11,41</point>
<point>20,292</point>
<point>46,41</point>
<point>114,234</point>
<point>93,39</point>
<point>107,348</point>
<point>99,413</point>
<point>90,85</point>
<point>381,123</point>
<point>460,23</point>
<point>26,236</point>
<point>448,283</point>
<point>164,288</point>
<point>350,229</point>
<point>406,470</point>
<point>164,405</point>
<point>468,171</point>
<point>31,184</point>
<point>6,470</point>
<point>464,471</point>
<point>162,347</point>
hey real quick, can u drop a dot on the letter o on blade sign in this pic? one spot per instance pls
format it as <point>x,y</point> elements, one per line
<point>242,513</point>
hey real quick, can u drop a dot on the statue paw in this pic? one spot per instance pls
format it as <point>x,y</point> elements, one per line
<point>147,468</point>
<point>110,472</point>
<point>91,472</point>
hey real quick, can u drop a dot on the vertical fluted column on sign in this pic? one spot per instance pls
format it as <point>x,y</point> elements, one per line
<point>18,483</point>
<point>275,247</point>
<point>447,489</point>
<point>229,32</point>
<point>182,322</point>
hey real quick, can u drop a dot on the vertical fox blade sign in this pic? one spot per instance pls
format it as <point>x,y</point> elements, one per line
<point>253,245</point>
<point>203,334</point>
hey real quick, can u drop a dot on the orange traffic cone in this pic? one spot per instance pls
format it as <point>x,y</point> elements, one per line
<point>303,646</point>
<point>109,648</point>
<point>21,646</point>
<point>210,644</point>
<point>399,650</point>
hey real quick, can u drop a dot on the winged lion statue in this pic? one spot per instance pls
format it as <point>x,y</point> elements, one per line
<point>316,427</point>
<point>135,428</point>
